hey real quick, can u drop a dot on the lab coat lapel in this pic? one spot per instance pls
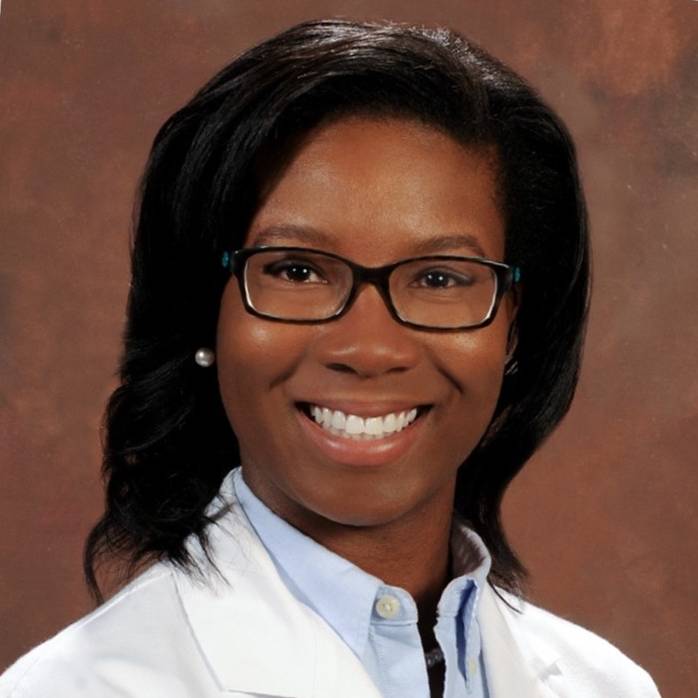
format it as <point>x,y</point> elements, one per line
<point>254,635</point>
<point>513,667</point>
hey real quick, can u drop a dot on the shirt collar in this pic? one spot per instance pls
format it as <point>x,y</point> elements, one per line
<point>339,591</point>
<point>342,593</point>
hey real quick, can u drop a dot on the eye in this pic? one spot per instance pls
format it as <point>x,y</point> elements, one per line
<point>294,271</point>
<point>442,278</point>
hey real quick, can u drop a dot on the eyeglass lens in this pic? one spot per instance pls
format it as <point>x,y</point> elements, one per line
<point>433,292</point>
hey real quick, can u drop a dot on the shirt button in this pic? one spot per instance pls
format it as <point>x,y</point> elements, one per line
<point>387,606</point>
<point>472,667</point>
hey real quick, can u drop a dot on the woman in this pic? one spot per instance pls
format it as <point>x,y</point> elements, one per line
<point>360,272</point>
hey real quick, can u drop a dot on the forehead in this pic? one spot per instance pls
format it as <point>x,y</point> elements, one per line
<point>378,190</point>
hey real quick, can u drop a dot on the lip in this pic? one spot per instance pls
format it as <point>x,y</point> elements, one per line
<point>360,453</point>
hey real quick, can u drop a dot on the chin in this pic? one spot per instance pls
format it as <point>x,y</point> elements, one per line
<point>361,519</point>
<point>364,509</point>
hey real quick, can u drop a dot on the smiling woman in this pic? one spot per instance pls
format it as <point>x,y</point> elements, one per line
<point>357,180</point>
<point>377,235</point>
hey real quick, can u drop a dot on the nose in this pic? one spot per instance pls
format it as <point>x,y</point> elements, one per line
<point>367,340</point>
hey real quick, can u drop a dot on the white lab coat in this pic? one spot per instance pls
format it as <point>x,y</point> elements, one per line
<point>242,633</point>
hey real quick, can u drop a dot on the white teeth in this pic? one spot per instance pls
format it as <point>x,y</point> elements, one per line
<point>353,426</point>
<point>339,419</point>
<point>400,422</point>
<point>374,425</point>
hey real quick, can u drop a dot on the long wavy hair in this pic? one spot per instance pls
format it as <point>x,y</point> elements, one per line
<point>167,441</point>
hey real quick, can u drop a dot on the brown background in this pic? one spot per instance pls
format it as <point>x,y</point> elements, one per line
<point>604,516</point>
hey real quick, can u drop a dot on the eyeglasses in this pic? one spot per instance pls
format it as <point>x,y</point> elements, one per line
<point>301,285</point>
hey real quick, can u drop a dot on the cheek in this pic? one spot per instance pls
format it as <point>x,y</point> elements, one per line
<point>474,364</point>
<point>473,358</point>
<point>252,356</point>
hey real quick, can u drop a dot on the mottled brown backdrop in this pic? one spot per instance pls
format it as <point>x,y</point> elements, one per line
<point>604,516</point>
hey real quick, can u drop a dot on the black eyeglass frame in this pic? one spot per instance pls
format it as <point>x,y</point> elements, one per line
<point>507,277</point>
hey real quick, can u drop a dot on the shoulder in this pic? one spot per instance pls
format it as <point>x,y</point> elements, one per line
<point>138,631</point>
<point>591,663</point>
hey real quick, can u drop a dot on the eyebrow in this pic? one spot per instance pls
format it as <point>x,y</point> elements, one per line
<point>287,233</point>
<point>444,243</point>
<point>275,234</point>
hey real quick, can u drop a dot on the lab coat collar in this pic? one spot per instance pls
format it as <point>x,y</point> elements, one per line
<point>252,632</point>
<point>256,637</point>
<point>513,665</point>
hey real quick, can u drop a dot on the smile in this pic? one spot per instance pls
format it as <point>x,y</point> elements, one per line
<point>353,426</point>
<point>362,440</point>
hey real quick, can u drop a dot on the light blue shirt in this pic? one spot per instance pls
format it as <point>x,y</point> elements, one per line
<point>379,622</point>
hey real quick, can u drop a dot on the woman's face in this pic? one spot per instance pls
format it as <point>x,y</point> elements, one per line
<point>374,192</point>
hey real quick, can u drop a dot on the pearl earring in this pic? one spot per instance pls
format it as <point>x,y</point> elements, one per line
<point>204,357</point>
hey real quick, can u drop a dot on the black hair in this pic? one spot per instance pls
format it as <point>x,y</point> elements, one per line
<point>168,443</point>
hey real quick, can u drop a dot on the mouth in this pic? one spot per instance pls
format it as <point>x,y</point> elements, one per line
<point>362,440</point>
<point>362,428</point>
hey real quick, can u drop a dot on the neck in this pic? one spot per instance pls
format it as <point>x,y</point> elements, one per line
<point>411,552</point>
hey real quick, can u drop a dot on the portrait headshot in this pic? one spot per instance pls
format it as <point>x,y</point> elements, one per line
<point>350,349</point>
